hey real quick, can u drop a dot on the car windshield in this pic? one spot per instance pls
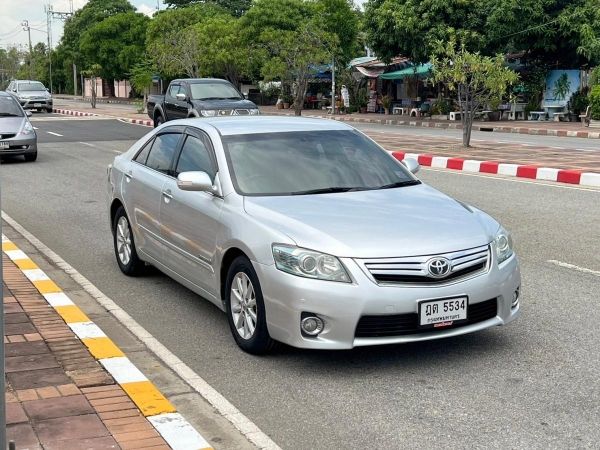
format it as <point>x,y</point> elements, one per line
<point>36,86</point>
<point>214,91</point>
<point>311,162</point>
<point>9,107</point>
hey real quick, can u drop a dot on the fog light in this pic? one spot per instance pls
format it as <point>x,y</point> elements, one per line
<point>312,325</point>
<point>515,300</point>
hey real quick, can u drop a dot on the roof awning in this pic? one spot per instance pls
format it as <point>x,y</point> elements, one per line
<point>421,70</point>
<point>371,73</point>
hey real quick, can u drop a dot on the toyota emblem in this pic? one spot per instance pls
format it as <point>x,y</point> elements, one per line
<point>439,267</point>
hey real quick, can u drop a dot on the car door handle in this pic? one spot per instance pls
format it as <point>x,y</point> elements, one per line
<point>167,195</point>
<point>128,176</point>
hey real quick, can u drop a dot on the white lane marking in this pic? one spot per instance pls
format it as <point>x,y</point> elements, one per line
<point>117,152</point>
<point>87,143</point>
<point>53,133</point>
<point>123,370</point>
<point>220,403</point>
<point>514,180</point>
<point>35,128</point>
<point>574,267</point>
<point>178,432</point>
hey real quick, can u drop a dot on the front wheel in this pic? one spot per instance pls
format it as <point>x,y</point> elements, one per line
<point>127,258</point>
<point>30,157</point>
<point>246,309</point>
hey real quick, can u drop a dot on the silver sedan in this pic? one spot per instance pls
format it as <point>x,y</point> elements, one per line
<point>307,232</point>
<point>17,135</point>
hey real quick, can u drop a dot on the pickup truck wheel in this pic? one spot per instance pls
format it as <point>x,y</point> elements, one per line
<point>158,121</point>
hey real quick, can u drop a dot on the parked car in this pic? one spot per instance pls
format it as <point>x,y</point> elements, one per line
<point>31,94</point>
<point>307,232</point>
<point>199,97</point>
<point>17,135</point>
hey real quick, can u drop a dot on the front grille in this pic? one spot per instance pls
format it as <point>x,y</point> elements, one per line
<point>241,112</point>
<point>403,324</point>
<point>414,269</point>
<point>7,135</point>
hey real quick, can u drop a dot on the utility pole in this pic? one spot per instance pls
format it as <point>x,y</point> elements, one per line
<point>333,86</point>
<point>48,9</point>
<point>26,27</point>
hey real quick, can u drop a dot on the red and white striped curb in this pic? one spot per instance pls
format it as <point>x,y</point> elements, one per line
<point>69,112</point>
<point>498,168</point>
<point>147,123</point>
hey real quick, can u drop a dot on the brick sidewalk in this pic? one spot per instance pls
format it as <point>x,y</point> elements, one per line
<point>58,396</point>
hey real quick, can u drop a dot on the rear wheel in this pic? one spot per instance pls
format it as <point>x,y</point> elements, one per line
<point>48,110</point>
<point>30,157</point>
<point>246,309</point>
<point>158,121</point>
<point>127,258</point>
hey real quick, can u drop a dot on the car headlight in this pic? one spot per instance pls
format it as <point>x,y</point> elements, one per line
<point>309,264</point>
<point>254,112</point>
<point>27,129</point>
<point>208,112</point>
<point>504,245</point>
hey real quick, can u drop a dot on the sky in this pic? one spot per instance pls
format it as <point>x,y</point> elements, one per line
<point>13,12</point>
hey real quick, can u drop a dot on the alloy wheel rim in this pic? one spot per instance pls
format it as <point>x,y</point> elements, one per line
<point>123,240</point>
<point>243,306</point>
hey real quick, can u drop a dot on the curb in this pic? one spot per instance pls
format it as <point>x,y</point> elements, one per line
<point>69,112</point>
<point>458,126</point>
<point>497,168</point>
<point>163,416</point>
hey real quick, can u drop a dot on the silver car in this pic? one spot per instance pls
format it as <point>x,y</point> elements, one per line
<point>307,232</point>
<point>31,94</point>
<point>17,135</point>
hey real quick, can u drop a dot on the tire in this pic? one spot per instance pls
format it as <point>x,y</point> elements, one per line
<point>127,259</point>
<point>30,157</point>
<point>49,110</point>
<point>158,120</point>
<point>258,342</point>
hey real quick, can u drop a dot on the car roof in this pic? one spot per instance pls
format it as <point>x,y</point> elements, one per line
<point>201,80</point>
<point>228,126</point>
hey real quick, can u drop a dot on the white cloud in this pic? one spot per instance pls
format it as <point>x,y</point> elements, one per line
<point>147,10</point>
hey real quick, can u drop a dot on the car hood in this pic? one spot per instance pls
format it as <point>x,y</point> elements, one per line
<point>11,125</point>
<point>224,104</point>
<point>407,221</point>
<point>31,94</point>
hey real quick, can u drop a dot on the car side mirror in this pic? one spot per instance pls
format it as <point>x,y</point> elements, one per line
<point>181,97</point>
<point>412,165</point>
<point>196,181</point>
<point>28,113</point>
<point>47,90</point>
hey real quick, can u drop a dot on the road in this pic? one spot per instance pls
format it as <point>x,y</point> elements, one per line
<point>532,384</point>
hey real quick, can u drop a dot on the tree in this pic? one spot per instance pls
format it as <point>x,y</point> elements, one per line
<point>141,78</point>
<point>411,28</point>
<point>117,44</point>
<point>10,60</point>
<point>294,54</point>
<point>340,17</point>
<point>36,64</point>
<point>478,80</point>
<point>235,7</point>
<point>93,72</point>
<point>171,39</point>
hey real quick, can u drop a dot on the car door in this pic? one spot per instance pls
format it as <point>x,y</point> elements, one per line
<point>176,109</point>
<point>191,219</point>
<point>142,188</point>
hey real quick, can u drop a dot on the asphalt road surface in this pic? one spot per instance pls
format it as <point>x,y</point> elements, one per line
<point>532,384</point>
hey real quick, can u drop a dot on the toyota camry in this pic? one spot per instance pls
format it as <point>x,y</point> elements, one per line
<point>307,232</point>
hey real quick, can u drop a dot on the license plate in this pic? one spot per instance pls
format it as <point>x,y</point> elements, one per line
<point>4,144</point>
<point>37,105</point>
<point>444,312</point>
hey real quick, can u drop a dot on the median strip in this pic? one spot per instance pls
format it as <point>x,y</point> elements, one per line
<point>152,404</point>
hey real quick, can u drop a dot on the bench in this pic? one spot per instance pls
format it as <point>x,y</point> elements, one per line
<point>557,116</point>
<point>399,110</point>
<point>537,115</point>
<point>455,115</point>
<point>585,118</point>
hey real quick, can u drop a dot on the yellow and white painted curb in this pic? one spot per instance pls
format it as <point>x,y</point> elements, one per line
<point>171,425</point>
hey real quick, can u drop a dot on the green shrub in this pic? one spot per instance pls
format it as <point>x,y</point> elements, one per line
<point>579,102</point>
<point>595,102</point>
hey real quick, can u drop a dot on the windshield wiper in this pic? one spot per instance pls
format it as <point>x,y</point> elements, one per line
<point>398,184</point>
<point>327,190</point>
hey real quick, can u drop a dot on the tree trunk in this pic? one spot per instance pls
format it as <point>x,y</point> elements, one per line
<point>300,94</point>
<point>93,85</point>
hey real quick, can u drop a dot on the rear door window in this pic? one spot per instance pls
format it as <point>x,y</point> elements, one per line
<point>162,152</point>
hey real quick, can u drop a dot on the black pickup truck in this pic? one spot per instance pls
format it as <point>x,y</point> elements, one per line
<point>199,97</point>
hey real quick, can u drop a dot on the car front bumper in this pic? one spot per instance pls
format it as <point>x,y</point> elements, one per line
<point>20,145</point>
<point>341,305</point>
<point>27,103</point>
